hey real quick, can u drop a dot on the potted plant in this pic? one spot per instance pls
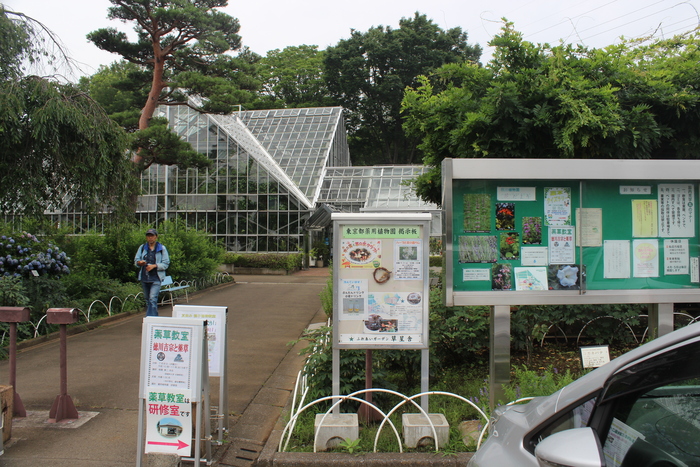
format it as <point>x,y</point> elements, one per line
<point>322,252</point>
<point>313,253</point>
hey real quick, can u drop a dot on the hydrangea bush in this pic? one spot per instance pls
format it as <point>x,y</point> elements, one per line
<point>26,256</point>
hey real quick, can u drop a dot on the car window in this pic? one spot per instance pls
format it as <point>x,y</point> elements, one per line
<point>577,417</point>
<point>653,410</point>
<point>658,427</point>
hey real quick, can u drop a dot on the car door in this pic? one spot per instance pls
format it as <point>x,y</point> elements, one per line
<point>649,412</point>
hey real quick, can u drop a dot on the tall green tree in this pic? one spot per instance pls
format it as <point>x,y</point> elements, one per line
<point>56,144</point>
<point>184,46</point>
<point>367,75</point>
<point>293,77</point>
<point>121,89</point>
<point>538,101</point>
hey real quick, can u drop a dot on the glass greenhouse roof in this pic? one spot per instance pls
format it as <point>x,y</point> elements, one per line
<point>373,188</point>
<point>300,141</point>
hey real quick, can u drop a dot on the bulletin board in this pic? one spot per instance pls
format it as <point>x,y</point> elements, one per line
<point>536,231</point>
<point>380,280</point>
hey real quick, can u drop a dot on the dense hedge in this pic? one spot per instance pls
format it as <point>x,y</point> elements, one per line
<point>286,261</point>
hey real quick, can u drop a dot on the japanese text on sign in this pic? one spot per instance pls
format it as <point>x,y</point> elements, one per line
<point>381,231</point>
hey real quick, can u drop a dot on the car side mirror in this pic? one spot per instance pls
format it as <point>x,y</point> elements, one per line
<point>578,447</point>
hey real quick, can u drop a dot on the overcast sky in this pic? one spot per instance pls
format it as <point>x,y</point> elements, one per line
<point>276,24</point>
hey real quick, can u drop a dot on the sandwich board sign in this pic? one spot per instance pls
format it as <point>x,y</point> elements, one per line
<point>216,348</point>
<point>173,379</point>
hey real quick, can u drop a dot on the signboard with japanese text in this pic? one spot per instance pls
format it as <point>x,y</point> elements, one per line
<point>169,421</point>
<point>380,279</point>
<point>216,331</point>
<point>556,228</point>
<point>174,375</point>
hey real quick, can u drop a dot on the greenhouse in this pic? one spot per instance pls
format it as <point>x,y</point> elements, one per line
<point>272,170</point>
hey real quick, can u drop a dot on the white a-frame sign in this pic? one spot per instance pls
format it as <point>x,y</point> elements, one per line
<point>174,385</point>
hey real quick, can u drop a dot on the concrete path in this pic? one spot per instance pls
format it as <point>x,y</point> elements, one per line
<point>265,314</point>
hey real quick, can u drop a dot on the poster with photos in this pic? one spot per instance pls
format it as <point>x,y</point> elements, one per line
<point>478,249</point>
<point>353,294</point>
<point>408,255</point>
<point>509,245</point>
<point>477,213</point>
<point>557,206</point>
<point>505,216</point>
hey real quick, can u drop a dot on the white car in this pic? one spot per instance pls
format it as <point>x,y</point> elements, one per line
<point>640,410</point>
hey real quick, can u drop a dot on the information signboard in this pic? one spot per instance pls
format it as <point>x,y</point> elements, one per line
<point>216,332</point>
<point>216,348</point>
<point>571,231</point>
<point>381,280</point>
<point>173,374</point>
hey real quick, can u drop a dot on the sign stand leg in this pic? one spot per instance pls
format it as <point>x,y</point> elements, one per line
<point>140,444</point>
<point>365,412</point>
<point>335,385</point>
<point>425,379</point>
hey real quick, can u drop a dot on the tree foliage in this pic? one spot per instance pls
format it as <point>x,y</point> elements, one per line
<point>293,77</point>
<point>121,89</point>
<point>367,75</point>
<point>184,45</point>
<point>538,101</point>
<point>56,144</point>
<point>158,144</point>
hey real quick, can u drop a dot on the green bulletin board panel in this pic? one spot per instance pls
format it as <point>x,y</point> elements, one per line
<point>636,234</point>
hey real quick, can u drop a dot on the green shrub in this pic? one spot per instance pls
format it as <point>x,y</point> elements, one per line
<point>193,254</point>
<point>327,296</point>
<point>86,286</point>
<point>285,261</point>
<point>230,258</point>
<point>12,292</point>
<point>531,383</point>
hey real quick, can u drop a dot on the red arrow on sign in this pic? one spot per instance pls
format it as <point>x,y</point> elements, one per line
<point>179,444</point>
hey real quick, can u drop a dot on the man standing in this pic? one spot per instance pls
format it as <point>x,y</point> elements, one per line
<point>152,259</point>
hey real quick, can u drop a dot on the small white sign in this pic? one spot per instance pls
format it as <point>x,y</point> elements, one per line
<point>695,269</point>
<point>676,256</point>
<point>635,190</point>
<point>171,352</point>
<point>476,275</point>
<point>594,356</point>
<point>562,247</point>
<point>533,256</point>
<point>516,193</point>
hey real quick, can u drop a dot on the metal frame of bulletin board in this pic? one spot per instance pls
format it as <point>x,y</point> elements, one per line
<point>610,231</point>
<point>569,231</point>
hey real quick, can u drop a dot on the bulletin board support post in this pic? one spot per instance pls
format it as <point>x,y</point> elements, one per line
<point>660,319</point>
<point>499,355</point>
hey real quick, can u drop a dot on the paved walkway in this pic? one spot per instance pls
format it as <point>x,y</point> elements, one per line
<point>265,314</point>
